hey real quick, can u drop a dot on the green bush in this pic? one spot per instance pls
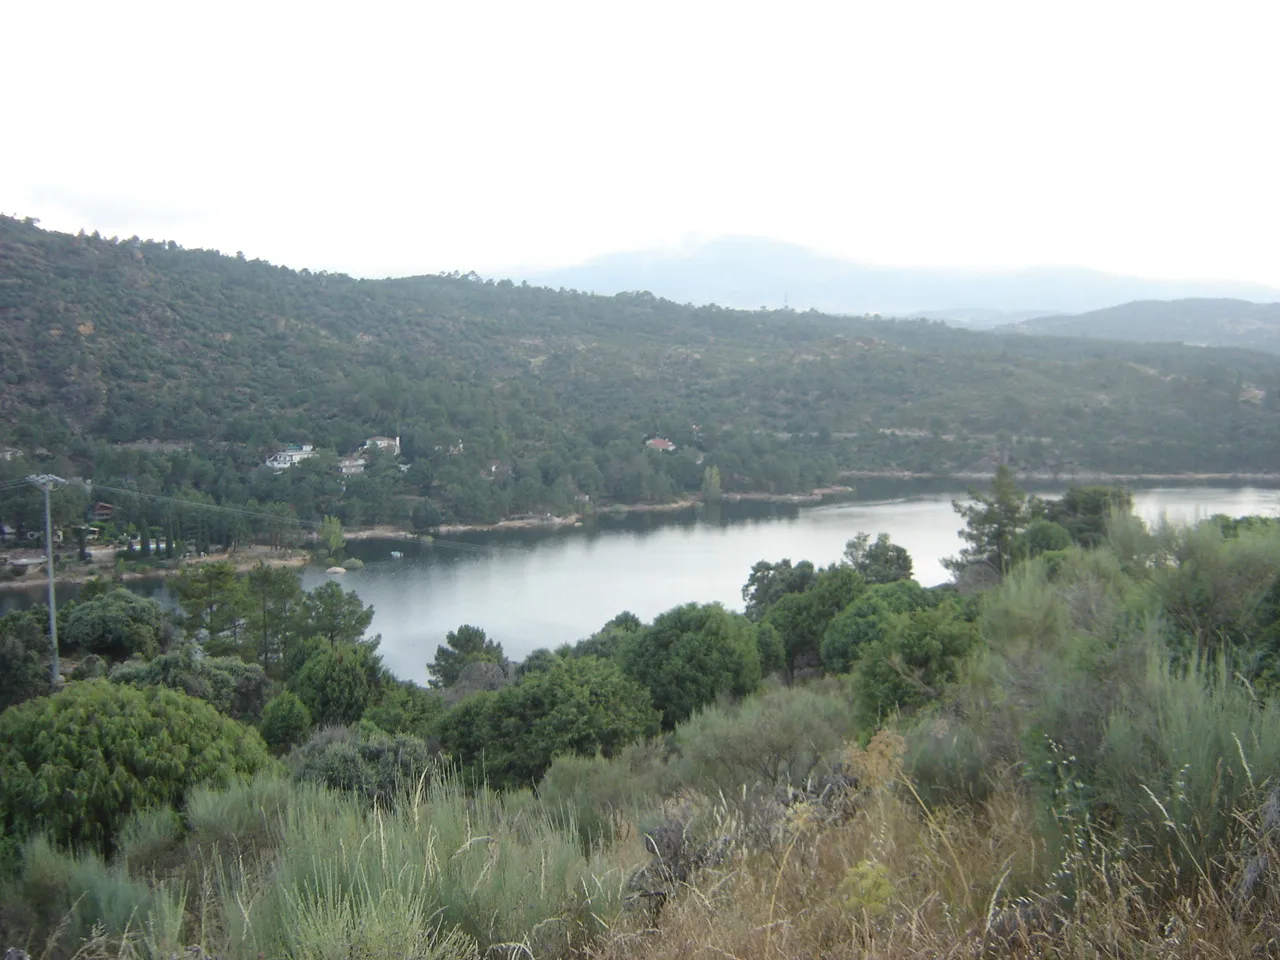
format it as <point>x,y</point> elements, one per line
<point>781,736</point>
<point>911,662</point>
<point>79,763</point>
<point>67,897</point>
<point>1211,586</point>
<point>285,722</point>
<point>24,649</point>
<point>598,793</point>
<point>1182,755</point>
<point>579,706</point>
<point>1042,536</point>
<point>497,869</point>
<point>234,687</point>
<point>867,619</point>
<point>116,625</point>
<point>690,656</point>
<point>377,768</point>
<point>338,683</point>
<point>853,630</point>
<point>802,619</point>
<point>407,708</point>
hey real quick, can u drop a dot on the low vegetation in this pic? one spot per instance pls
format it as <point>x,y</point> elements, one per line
<point>1074,751</point>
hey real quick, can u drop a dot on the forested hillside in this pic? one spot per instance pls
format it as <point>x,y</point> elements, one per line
<point>1204,322</point>
<point>509,398</point>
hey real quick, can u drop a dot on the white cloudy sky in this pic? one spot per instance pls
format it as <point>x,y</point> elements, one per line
<point>381,138</point>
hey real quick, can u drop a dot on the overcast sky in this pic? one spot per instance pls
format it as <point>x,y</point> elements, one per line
<point>382,139</point>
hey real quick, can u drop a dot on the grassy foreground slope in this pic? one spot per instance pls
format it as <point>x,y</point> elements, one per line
<point>1098,776</point>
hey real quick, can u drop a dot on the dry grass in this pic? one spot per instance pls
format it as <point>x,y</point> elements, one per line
<point>895,879</point>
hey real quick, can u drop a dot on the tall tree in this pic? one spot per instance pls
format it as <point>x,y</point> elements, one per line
<point>274,593</point>
<point>213,601</point>
<point>992,524</point>
<point>880,562</point>
<point>770,582</point>
<point>328,613</point>
<point>465,645</point>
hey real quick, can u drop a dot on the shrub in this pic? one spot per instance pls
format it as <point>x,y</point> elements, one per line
<point>598,794</point>
<point>867,619</point>
<point>690,656</point>
<point>577,706</point>
<point>781,736</point>
<point>463,646</point>
<point>1042,536</point>
<point>234,687</point>
<point>915,657</point>
<point>407,708</point>
<point>285,722</point>
<point>24,645</point>
<point>855,628</point>
<point>1181,755</point>
<point>116,625</point>
<point>338,683</point>
<point>802,619</point>
<point>377,768</point>
<point>69,896</point>
<point>150,841</point>
<point>79,763</point>
<point>496,868</point>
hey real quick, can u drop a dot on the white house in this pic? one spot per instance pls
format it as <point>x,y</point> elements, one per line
<point>349,466</point>
<point>290,456</point>
<point>383,443</point>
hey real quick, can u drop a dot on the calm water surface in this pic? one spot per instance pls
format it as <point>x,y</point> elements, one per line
<point>531,589</point>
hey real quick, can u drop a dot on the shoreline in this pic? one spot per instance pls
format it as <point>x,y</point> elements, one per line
<point>1044,476</point>
<point>243,561</point>
<point>297,558</point>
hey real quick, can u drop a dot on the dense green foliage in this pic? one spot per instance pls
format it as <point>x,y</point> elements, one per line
<point>880,562</point>
<point>579,705</point>
<point>691,655</point>
<point>234,687</point>
<point>465,645</point>
<point>375,766</point>
<point>115,626</point>
<point>337,684</point>
<point>510,399</point>
<point>24,649</point>
<point>77,764</point>
<point>285,721</point>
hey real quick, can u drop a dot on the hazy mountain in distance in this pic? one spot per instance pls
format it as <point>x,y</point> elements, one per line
<point>1200,321</point>
<point>750,272</point>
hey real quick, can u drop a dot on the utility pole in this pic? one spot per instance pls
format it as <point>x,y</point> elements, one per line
<point>45,482</point>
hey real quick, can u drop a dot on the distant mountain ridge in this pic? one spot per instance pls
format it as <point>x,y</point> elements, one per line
<point>1217,322</point>
<point>748,272</point>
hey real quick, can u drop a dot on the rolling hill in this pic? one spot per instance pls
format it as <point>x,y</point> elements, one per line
<point>749,273</point>
<point>512,398</point>
<point>1195,321</point>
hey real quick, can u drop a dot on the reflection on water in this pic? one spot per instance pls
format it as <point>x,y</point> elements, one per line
<point>531,588</point>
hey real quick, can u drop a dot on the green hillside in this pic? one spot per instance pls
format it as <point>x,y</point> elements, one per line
<point>512,399</point>
<point>1196,321</point>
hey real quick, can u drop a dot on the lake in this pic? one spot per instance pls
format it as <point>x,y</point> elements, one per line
<point>540,588</point>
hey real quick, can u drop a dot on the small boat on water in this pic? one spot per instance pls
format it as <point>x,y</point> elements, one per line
<point>335,570</point>
<point>396,554</point>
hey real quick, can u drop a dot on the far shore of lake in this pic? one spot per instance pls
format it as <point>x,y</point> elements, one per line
<point>246,558</point>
